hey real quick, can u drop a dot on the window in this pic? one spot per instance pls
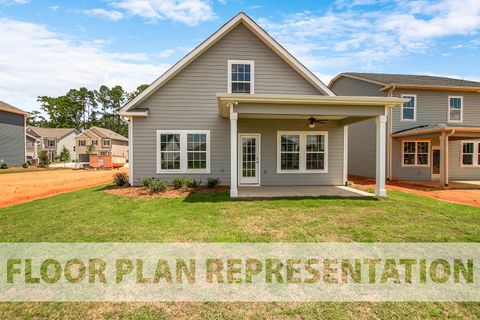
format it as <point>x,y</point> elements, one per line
<point>409,109</point>
<point>240,76</point>
<point>82,143</point>
<point>106,143</point>
<point>185,151</point>
<point>95,142</point>
<point>455,109</point>
<point>416,153</point>
<point>470,153</point>
<point>51,143</point>
<point>304,151</point>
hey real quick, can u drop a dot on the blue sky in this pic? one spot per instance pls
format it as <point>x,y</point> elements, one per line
<point>48,46</point>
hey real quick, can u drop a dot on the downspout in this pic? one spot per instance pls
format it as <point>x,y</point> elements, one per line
<point>389,136</point>
<point>446,155</point>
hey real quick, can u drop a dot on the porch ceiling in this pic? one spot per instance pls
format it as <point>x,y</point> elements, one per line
<point>300,106</point>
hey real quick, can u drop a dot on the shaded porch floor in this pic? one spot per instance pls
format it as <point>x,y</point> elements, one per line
<point>300,191</point>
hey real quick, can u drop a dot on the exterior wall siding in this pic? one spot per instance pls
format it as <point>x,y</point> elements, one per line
<point>411,173</point>
<point>69,143</point>
<point>188,101</point>
<point>456,171</point>
<point>361,135</point>
<point>12,138</point>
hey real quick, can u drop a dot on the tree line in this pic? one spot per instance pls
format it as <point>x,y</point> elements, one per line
<point>83,108</point>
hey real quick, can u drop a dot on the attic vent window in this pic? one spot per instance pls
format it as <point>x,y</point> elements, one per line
<point>240,76</point>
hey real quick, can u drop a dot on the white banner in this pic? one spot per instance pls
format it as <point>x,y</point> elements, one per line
<point>239,272</point>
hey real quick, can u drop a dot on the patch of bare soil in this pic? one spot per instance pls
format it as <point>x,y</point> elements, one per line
<point>144,193</point>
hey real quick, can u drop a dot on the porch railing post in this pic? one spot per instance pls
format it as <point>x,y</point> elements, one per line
<point>233,154</point>
<point>380,189</point>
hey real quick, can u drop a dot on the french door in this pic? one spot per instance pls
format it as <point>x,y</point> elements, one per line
<point>249,159</point>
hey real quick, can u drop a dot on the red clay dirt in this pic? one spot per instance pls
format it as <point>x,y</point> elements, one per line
<point>27,186</point>
<point>463,196</point>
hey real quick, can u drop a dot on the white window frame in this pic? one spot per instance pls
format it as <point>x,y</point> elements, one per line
<point>303,151</point>
<point>106,145</point>
<point>450,108</point>
<point>54,143</point>
<point>252,74</point>
<point>183,151</point>
<point>94,142</point>
<point>416,153</point>
<point>476,154</point>
<point>406,95</point>
<point>84,143</point>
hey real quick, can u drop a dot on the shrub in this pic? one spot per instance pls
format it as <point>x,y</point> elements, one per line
<point>43,161</point>
<point>25,165</point>
<point>146,182</point>
<point>178,183</point>
<point>120,179</point>
<point>192,183</point>
<point>212,182</point>
<point>3,165</point>
<point>156,186</point>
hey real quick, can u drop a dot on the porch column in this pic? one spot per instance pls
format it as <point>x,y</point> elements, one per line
<point>233,154</point>
<point>380,156</point>
<point>443,170</point>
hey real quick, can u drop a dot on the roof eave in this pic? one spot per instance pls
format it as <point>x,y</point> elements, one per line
<point>429,87</point>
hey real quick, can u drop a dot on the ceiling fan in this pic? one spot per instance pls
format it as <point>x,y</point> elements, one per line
<point>313,121</point>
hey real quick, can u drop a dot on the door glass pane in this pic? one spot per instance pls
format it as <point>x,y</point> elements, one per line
<point>436,162</point>
<point>249,156</point>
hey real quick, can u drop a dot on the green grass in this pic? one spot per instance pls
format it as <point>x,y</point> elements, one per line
<point>92,215</point>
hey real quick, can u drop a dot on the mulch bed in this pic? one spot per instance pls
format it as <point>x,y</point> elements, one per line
<point>144,193</point>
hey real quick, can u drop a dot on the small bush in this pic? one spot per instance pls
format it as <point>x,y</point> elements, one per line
<point>146,182</point>
<point>3,165</point>
<point>25,165</point>
<point>178,183</point>
<point>120,179</point>
<point>212,182</point>
<point>192,183</point>
<point>43,161</point>
<point>156,186</point>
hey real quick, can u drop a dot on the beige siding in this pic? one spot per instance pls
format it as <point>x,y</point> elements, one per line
<point>188,101</point>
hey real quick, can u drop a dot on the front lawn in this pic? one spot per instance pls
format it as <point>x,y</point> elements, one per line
<point>92,215</point>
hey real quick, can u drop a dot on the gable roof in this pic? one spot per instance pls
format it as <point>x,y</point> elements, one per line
<point>410,80</point>
<point>240,18</point>
<point>106,133</point>
<point>9,108</point>
<point>56,133</point>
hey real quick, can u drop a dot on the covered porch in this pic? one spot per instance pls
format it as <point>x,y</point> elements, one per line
<point>446,152</point>
<point>279,143</point>
<point>267,192</point>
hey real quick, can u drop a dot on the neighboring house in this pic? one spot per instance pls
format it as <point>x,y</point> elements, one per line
<point>240,108</point>
<point>434,136</point>
<point>51,140</point>
<point>105,143</point>
<point>12,134</point>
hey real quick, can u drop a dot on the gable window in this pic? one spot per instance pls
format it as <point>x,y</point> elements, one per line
<point>82,143</point>
<point>409,109</point>
<point>51,143</point>
<point>186,151</point>
<point>416,153</point>
<point>455,109</point>
<point>470,153</point>
<point>106,143</point>
<point>302,152</point>
<point>240,76</point>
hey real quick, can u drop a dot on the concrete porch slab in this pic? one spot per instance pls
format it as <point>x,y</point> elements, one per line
<point>300,191</point>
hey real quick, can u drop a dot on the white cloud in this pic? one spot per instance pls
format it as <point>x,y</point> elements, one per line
<point>36,61</point>
<point>10,2</point>
<point>190,12</point>
<point>102,13</point>
<point>348,37</point>
<point>54,8</point>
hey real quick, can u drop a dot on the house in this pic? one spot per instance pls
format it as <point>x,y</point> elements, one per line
<point>105,142</point>
<point>241,108</point>
<point>433,136</point>
<point>51,140</point>
<point>12,134</point>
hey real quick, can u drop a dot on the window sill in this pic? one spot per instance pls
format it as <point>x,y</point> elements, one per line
<point>300,172</point>
<point>408,120</point>
<point>415,166</point>
<point>184,172</point>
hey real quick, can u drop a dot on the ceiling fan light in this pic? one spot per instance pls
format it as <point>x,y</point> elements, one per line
<point>311,125</point>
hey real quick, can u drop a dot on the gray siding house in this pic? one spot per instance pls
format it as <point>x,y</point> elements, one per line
<point>240,108</point>
<point>12,134</point>
<point>434,136</point>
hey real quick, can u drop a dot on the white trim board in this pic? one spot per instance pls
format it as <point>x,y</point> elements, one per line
<point>219,34</point>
